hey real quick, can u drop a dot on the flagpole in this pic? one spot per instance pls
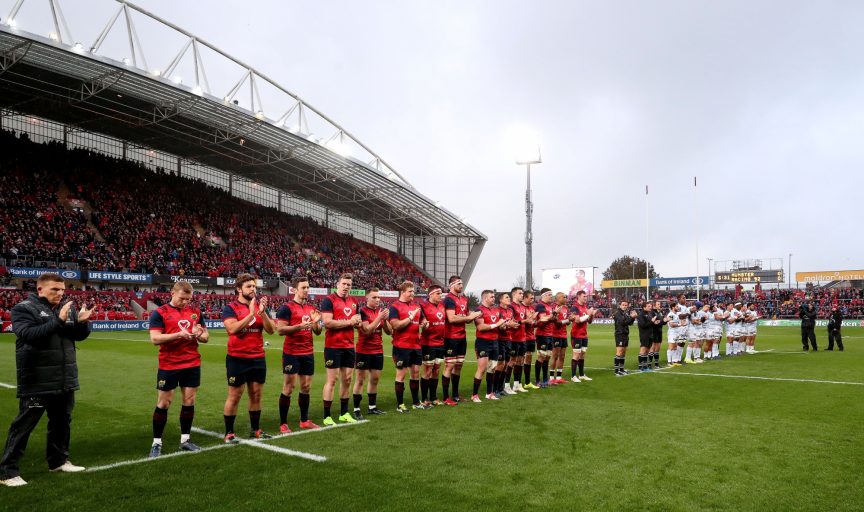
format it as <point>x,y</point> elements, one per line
<point>696,235</point>
<point>647,238</point>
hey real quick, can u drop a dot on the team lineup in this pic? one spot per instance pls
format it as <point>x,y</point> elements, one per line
<point>511,328</point>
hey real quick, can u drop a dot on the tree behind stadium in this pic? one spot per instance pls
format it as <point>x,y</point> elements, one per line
<point>628,267</point>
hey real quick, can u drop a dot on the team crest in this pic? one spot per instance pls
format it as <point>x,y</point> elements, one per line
<point>306,318</point>
<point>288,367</point>
<point>328,363</point>
<point>161,384</point>
<point>440,315</point>
<point>232,380</point>
<point>482,353</point>
<point>348,311</point>
<point>493,317</point>
<point>193,316</point>
<point>184,324</point>
<point>399,364</point>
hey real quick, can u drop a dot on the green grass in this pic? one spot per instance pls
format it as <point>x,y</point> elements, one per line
<point>643,442</point>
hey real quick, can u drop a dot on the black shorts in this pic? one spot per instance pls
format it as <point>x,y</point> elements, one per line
<point>530,346</point>
<point>407,357</point>
<point>369,362</point>
<point>517,349</point>
<point>622,343</point>
<point>544,343</point>
<point>241,370</point>
<point>455,347</point>
<point>166,380</point>
<point>504,350</point>
<point>431,354</point>
<point>339,358</point>
<point>292,365</point>
<point>645,343</point>
<point>559,342</point>
<point>579,343</point>
<point>486,348</point>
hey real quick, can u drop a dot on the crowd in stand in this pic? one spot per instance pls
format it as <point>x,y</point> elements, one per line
<point>161,223</point>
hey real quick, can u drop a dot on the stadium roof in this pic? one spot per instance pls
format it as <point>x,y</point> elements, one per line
<point>57,78</point>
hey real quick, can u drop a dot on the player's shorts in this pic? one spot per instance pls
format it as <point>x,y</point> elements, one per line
<point>486,348</point>
<point>432,355</point>
<point>579,343</point>
<point>407,357</point>
<point>733,333</point>
<point>455,349</point>
<point>645,343</point>
<point>292,365</point>
<point>369,361</point>
<point>504,350</point>
<point>544,343</point>
<point>530,346</point>
<point>339,358</point>
<point>622,342</point>
<point>559,342</point>
<point>517,349</point>
<point>166,380</point>
<point>241,370</point>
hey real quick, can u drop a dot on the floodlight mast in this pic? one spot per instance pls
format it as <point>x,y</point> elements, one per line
<point>529,210</point>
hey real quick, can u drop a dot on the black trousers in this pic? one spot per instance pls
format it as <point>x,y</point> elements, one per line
<point>30,410</point>
<point>834,334</point>
<point>808,333</point>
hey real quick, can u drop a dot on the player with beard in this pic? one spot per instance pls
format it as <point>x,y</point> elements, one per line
<point>674,333</point>
<point>504,345</point>
<point>370,351</point>
<point>432,345</point>
<point>298,321</point>
<point>581,316</point>
<point>455,341</point>
<point>406,320</point>
<point>530,337</point>
<point>545,324</point>
<point>340,317</point>
<point>245,319</point>
<point>177,328</point>
<point>559,338</point>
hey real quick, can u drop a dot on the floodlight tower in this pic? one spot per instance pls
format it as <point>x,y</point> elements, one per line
<point>529,210</point>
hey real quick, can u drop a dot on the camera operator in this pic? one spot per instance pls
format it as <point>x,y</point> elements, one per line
<point>46,333</point>
<point>835,322</point>
<point>807,313</point>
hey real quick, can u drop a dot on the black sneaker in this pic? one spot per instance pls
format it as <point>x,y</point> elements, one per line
<point>189,446</point>
<point>457,399</point>
<point>375,411</point>
<point>357,415</point>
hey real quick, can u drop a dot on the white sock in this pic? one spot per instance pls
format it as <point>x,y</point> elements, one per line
<point>728,348</point>
<point>689,352</point>
<point>715,350</point>
<point>184,438</point>
<point>697,352</point>
<point>670,356</point>
<point>157,440</point>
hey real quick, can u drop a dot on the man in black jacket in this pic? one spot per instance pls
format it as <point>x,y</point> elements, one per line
<point>623,320</point>
<point>647,322</point>
<point>657,339</point>
<point>47,374</point>
<point>807,314</point>
<point>835,322</point>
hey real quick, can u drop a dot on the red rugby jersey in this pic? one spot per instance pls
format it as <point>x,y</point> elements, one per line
<point>517,335</point>
<point>529,328</point>
<point>544,328</point>
<point>459,305</point>
<point>180,353</point>
<point>490,316</point>
<point>370,343</point>
<point>580,330</point>
<point>298,343</point>
<point>433,335</point>
<point>342,309</point>
<point>408,337</point>
<point>249,342</point>
<point>506,314</point>
<point>560,329</point>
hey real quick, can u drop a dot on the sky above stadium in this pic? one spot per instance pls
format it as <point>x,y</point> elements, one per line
<point>761,100</point>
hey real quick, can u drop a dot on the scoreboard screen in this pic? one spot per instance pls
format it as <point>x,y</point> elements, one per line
<point>749,276</point>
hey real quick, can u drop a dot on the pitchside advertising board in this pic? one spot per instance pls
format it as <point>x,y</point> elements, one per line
<point>829,275</point>
<point>34,273</point>
<point>569,280</point>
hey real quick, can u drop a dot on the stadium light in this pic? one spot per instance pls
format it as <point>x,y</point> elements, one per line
<point>197,90</point>
<point>12,23</point>
<point>177,80</point>
<point>53,36</point>
<point>529,158</point>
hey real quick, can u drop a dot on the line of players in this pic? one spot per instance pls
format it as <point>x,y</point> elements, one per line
<point>510,329</point>
<point>699,327</point>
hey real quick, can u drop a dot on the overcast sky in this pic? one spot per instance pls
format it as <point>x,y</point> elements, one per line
<point>763,101</point>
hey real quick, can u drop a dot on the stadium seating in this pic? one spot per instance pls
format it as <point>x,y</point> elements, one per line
<point>127,217</point>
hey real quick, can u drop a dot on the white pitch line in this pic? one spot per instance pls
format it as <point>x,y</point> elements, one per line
<point>7,386</point>
<point>767,378</point>
<point>148,459</point>
<point>265,446</point>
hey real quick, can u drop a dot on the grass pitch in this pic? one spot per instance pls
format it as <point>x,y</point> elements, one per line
<point>788,439</point>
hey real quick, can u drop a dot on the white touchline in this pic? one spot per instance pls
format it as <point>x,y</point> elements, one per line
<point>265,446</point>
<point>7,386</point>
<point>767,378</point>
<point>148,459</point>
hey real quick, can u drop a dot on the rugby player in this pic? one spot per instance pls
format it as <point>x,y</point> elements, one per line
<point>298,321</point>
<point>545,324</point>
<point>582,316</point>
<point>406,320</point>
<point>517,343</point>
<point>455,342</point>
<point>245,318</point>
<point>559,338</point>
<point>340,317</point>
<point>370,352</point>
<point>177,328</point>
<point>530,337</point>
<point>432,345</point>
<point>623,320</point>
<point>486,344</point>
